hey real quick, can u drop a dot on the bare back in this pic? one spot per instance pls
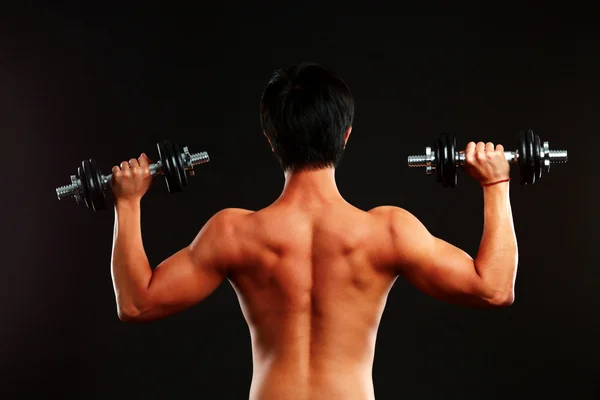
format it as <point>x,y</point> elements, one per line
<point>312,298</point>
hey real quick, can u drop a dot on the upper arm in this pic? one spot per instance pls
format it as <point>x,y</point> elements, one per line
<point>431,264</point>
<point>194,272</point>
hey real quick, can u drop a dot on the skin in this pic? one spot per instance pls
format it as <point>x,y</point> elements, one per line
<point>312,273</point>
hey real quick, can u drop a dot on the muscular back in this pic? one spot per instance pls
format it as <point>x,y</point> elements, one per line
<point>312,276</point>
<point>312,298</point>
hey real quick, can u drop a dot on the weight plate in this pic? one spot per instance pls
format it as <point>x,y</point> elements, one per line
<point>525,165</point>
<point>526,161</point>
<point>438,162</point>
<point>90,178</point>
<point>166,169</point>
<point>176,170</point>
<point>538,157</point>
<point>530,157</point>
<point>98,194</point>
<point>180,165</point>
<point>447,164</point>
<point>164,159</point>
<point>165,152</point>
<point>85,191</point>
<point>443,148</point>
<point>450,168</point>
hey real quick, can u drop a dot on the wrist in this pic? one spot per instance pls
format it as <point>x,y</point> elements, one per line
<point>498,192</point>
<point>127,204</point>
<point>495,182</point>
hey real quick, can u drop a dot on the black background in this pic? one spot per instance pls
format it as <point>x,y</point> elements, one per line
<point>110,81</point>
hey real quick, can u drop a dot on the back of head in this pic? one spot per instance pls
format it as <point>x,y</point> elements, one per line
<point>306,111</point>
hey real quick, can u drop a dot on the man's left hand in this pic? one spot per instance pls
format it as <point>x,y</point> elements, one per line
<point>131,180</point>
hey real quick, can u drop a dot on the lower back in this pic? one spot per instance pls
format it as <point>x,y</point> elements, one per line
<point>280,380</point>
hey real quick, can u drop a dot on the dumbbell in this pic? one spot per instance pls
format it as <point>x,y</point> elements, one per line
<point>533,158</point>
<point>89,185</point>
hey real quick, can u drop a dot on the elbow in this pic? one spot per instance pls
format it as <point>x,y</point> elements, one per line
<point>502,300</point>
<point>129,314</point>
<point>134,309</point>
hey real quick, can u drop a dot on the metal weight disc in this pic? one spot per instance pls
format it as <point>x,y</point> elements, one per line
<point>538,157</point>
<point>531,157</point>
<point>438,163</point>
<point>175,162</point>
<point>85,191</point>
<point>98,194</point>
<point>526,162</point>
<point>443,149</point>
<point>165,152</point>
<point>445,170</point>
<point>526,169</point>
<point>93,195</point>
<point>166,168</point>
<point>178,151</point>
<point>450,167</point>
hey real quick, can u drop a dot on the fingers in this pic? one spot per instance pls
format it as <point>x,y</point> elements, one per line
<point>131,179</point>
<point>482,147</point>
<point>486,162</point>
<point>127,167</point>
<point>144,161</point>
<point>134,165</point>
<point>470,148</point>
<point>470,153</point>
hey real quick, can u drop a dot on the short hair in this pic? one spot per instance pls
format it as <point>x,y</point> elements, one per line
<point>305,111</point>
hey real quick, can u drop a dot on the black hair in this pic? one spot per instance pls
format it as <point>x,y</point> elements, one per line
<point>305,112</point>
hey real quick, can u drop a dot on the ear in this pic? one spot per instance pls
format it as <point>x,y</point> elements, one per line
<point>270,144</point>
<point>347,136</point>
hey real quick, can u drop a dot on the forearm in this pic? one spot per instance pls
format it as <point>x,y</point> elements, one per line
<point>497,258</point>
<point>131,272</point>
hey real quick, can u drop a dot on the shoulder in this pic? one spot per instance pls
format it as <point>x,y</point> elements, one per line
<point>391,213</point>
<point>231,214</point>
<point>224,223</point>
<point>399,239</point>
<point>219,237</point>
<point>227,218</point>
<point>397,221</point>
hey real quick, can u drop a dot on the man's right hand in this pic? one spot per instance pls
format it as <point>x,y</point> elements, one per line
<point>486,164</point>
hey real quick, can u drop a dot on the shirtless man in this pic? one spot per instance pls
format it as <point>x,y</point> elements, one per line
<point>311,271</point>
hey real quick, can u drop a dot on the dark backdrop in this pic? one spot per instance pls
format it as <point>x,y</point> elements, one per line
<point>109,82</point>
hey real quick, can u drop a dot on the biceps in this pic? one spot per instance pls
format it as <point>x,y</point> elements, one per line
<point>182,281</point>
<point>446,272</point>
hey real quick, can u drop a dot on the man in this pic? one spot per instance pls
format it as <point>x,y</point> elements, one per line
<point>312,272</point>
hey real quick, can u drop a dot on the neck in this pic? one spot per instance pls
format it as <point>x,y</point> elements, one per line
<point>310,186</point>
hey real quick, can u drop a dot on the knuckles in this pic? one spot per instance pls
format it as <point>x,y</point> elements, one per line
<point>141,171</point>
<point>137,171</point>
